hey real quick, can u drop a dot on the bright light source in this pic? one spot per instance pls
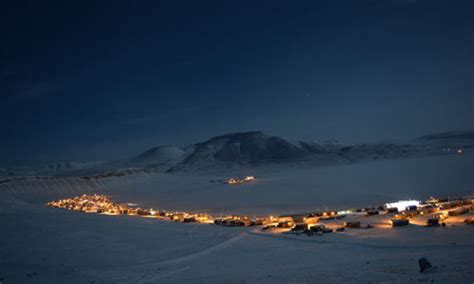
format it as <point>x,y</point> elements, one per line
<point>403,204</point>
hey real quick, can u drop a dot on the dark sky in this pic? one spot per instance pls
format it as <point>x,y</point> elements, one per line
<point>82,80</point>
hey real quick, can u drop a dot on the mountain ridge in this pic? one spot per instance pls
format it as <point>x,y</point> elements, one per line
<point>256,148</point>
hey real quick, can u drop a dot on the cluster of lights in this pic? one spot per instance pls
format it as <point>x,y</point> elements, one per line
<point>90,204</point>
<point>103,205</point>
<point>240,180</point>
<point>457,151</point>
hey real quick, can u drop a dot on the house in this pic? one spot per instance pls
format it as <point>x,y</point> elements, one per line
<point>372,212</point>
<point>299,227</point>
<point>311,220</point>
<point>189,219</point>
<point>411,208</point>
<point>143,212</point>
<point>285,222</point>
<point>297,218</point>
<point>400,222</point>
<point>179,217</point>
<point>351,225</point>
<point>391,210</point>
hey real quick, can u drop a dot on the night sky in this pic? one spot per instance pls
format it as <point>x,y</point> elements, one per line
<point>86,80</point>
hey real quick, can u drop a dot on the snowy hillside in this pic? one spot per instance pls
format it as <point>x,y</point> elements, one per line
<point>49,169</point>
<point>159,157</point>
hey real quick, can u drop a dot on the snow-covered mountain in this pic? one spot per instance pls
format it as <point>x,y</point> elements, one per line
<point>250,149</point>
<point>238,149</point>
<point>158,157</point>
<point>258,149</point>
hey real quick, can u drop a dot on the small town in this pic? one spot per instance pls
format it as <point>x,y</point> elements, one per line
<point>430,213</point>
<point>246,179</point>
<point>235,180</point>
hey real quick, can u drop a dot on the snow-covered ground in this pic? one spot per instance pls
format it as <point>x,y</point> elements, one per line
<point>276,190</point>
<point>43,245</point>
<point>46,245</point>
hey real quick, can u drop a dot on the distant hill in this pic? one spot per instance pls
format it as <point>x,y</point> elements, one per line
<point>466,136</point>
<point>251,149</point>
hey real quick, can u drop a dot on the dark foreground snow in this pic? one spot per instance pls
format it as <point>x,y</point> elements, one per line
<point>44,245</point>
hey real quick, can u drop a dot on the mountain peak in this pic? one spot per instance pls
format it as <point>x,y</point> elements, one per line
<point>252,147</point>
